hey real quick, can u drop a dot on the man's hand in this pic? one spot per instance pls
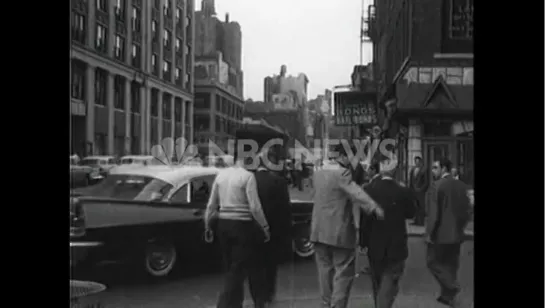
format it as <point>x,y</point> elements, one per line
<point>267,234</point>
<point>208,236</point>
<point>379,212</point>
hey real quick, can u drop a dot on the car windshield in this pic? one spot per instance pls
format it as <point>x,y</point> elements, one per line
<point>127,161</point>
<point>130,187</point>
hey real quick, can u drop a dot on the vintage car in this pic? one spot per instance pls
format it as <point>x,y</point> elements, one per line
<point>82,175</point>
<point>103,163</point>
<point>152,216</point>
<point>137,160</point>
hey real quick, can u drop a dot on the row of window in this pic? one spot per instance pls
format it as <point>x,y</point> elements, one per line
<point>78,91</point>
<point>202,123</point>
<point>223,105</point>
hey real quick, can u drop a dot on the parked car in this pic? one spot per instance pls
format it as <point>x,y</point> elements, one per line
<point>151,216</point>
<point>82,175</point>
<point>137,160</point>
<point>103,163</point>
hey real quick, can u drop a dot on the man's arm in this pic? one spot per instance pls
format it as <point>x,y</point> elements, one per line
<point>432,205</point>
<point>255,205</point>
<point>212,206</point>
<point>364,200</point>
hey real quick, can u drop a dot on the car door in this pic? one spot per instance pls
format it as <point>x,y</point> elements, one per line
<point>195,195</point>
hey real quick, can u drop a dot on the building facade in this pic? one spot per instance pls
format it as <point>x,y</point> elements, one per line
<point>423,62</point>
<point>219,89</point>
<point>132,74</point>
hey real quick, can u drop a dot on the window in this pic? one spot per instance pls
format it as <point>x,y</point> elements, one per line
<point>166,70</point>
<point>102,38</point>
<point>181,195</point>
<point>201,187</point>
<point>188,82</point>
<point>78,28</point>
<point>188,56</point>
<point>461,19</point>
<point>78,81</point>
<point>177,110</point>
<point>135,21</point>
<point>119,48</point>
<point>119,92</point>
<point>154,65</point>
<point>166,39</point>
<point>218,103</point>
<point>202,100</point>
<point>178,18</point>
<point>120,10</point>
<point>455,75</point>
<point>167,108</point>
<point>188,28</point>
<point>100,87</point>
<point>154,31</point>
<point>167,8</point>
<point>178,42</point>
<point>154,103</point>
<point>202,122</point>
<point>218,124</point>
<point>102,5</point>
<point>135,97</point>
<point>136,54</point>
<point>178,76</point>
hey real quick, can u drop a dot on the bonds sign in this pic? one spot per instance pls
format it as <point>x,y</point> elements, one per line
<point>355,108</point>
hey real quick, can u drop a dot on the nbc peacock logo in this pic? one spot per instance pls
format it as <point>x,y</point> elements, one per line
<point>172,152</point>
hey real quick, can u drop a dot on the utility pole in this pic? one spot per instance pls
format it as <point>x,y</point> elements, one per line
<point>362,23</point>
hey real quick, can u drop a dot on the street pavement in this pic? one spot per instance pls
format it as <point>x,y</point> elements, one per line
<point>297,285</point>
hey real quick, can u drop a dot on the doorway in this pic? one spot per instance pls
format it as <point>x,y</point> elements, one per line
<point>435,150</point>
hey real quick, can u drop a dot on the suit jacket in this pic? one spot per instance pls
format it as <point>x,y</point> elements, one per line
<point>387,238</point>
<point>332,214</point>
<point>274,195</point>
<point>419,182</point>
<point>448,211</point>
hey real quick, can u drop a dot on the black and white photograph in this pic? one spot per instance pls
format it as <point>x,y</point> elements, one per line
<point>272,154</point>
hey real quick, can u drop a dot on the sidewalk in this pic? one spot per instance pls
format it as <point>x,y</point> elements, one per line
<point>359,301</point>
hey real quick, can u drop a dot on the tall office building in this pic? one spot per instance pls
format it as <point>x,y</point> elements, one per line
<point>132,74</point>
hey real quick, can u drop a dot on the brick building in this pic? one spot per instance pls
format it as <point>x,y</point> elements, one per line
<point>218,77</point>
<point>131,76</point>
<point>423,62</point>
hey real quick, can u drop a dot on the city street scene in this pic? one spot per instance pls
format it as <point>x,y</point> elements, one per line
<point>243,153</point>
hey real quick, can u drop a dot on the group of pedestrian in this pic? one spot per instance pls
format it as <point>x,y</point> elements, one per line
<point>250,215</point>
<point>348,216</point>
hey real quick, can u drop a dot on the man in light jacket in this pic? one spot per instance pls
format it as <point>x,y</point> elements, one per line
<point>333,229</point>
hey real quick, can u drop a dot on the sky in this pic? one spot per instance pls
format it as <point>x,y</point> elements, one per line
<point>317,37</point>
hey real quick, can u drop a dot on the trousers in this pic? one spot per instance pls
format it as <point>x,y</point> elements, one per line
<point>336,271</point>
<point>385,277</point>
<point>443,261</point>
<point>240,249</point>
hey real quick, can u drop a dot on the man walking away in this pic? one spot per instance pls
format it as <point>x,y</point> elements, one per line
<point>419,183</point>
<point>387,239</point>
<point>298,174</point>
<point>242,228</point>
<point>333,230</point>
<point>447,218</point>
<point>274,196</point>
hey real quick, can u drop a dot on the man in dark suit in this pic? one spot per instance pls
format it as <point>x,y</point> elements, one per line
<point>387,239</point>
<point>419,182</point>
<point>274,196</point>
<point>448,214</point>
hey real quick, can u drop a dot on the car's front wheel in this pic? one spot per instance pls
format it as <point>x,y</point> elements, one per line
<point>160,258</point>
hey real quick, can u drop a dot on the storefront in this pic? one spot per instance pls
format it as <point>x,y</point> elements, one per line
<point>432,121</point>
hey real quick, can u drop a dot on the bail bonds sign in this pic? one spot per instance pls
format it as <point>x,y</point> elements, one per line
<point>355,108</point>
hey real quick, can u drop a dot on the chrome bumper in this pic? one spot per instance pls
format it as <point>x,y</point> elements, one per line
<point>85,244</point>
